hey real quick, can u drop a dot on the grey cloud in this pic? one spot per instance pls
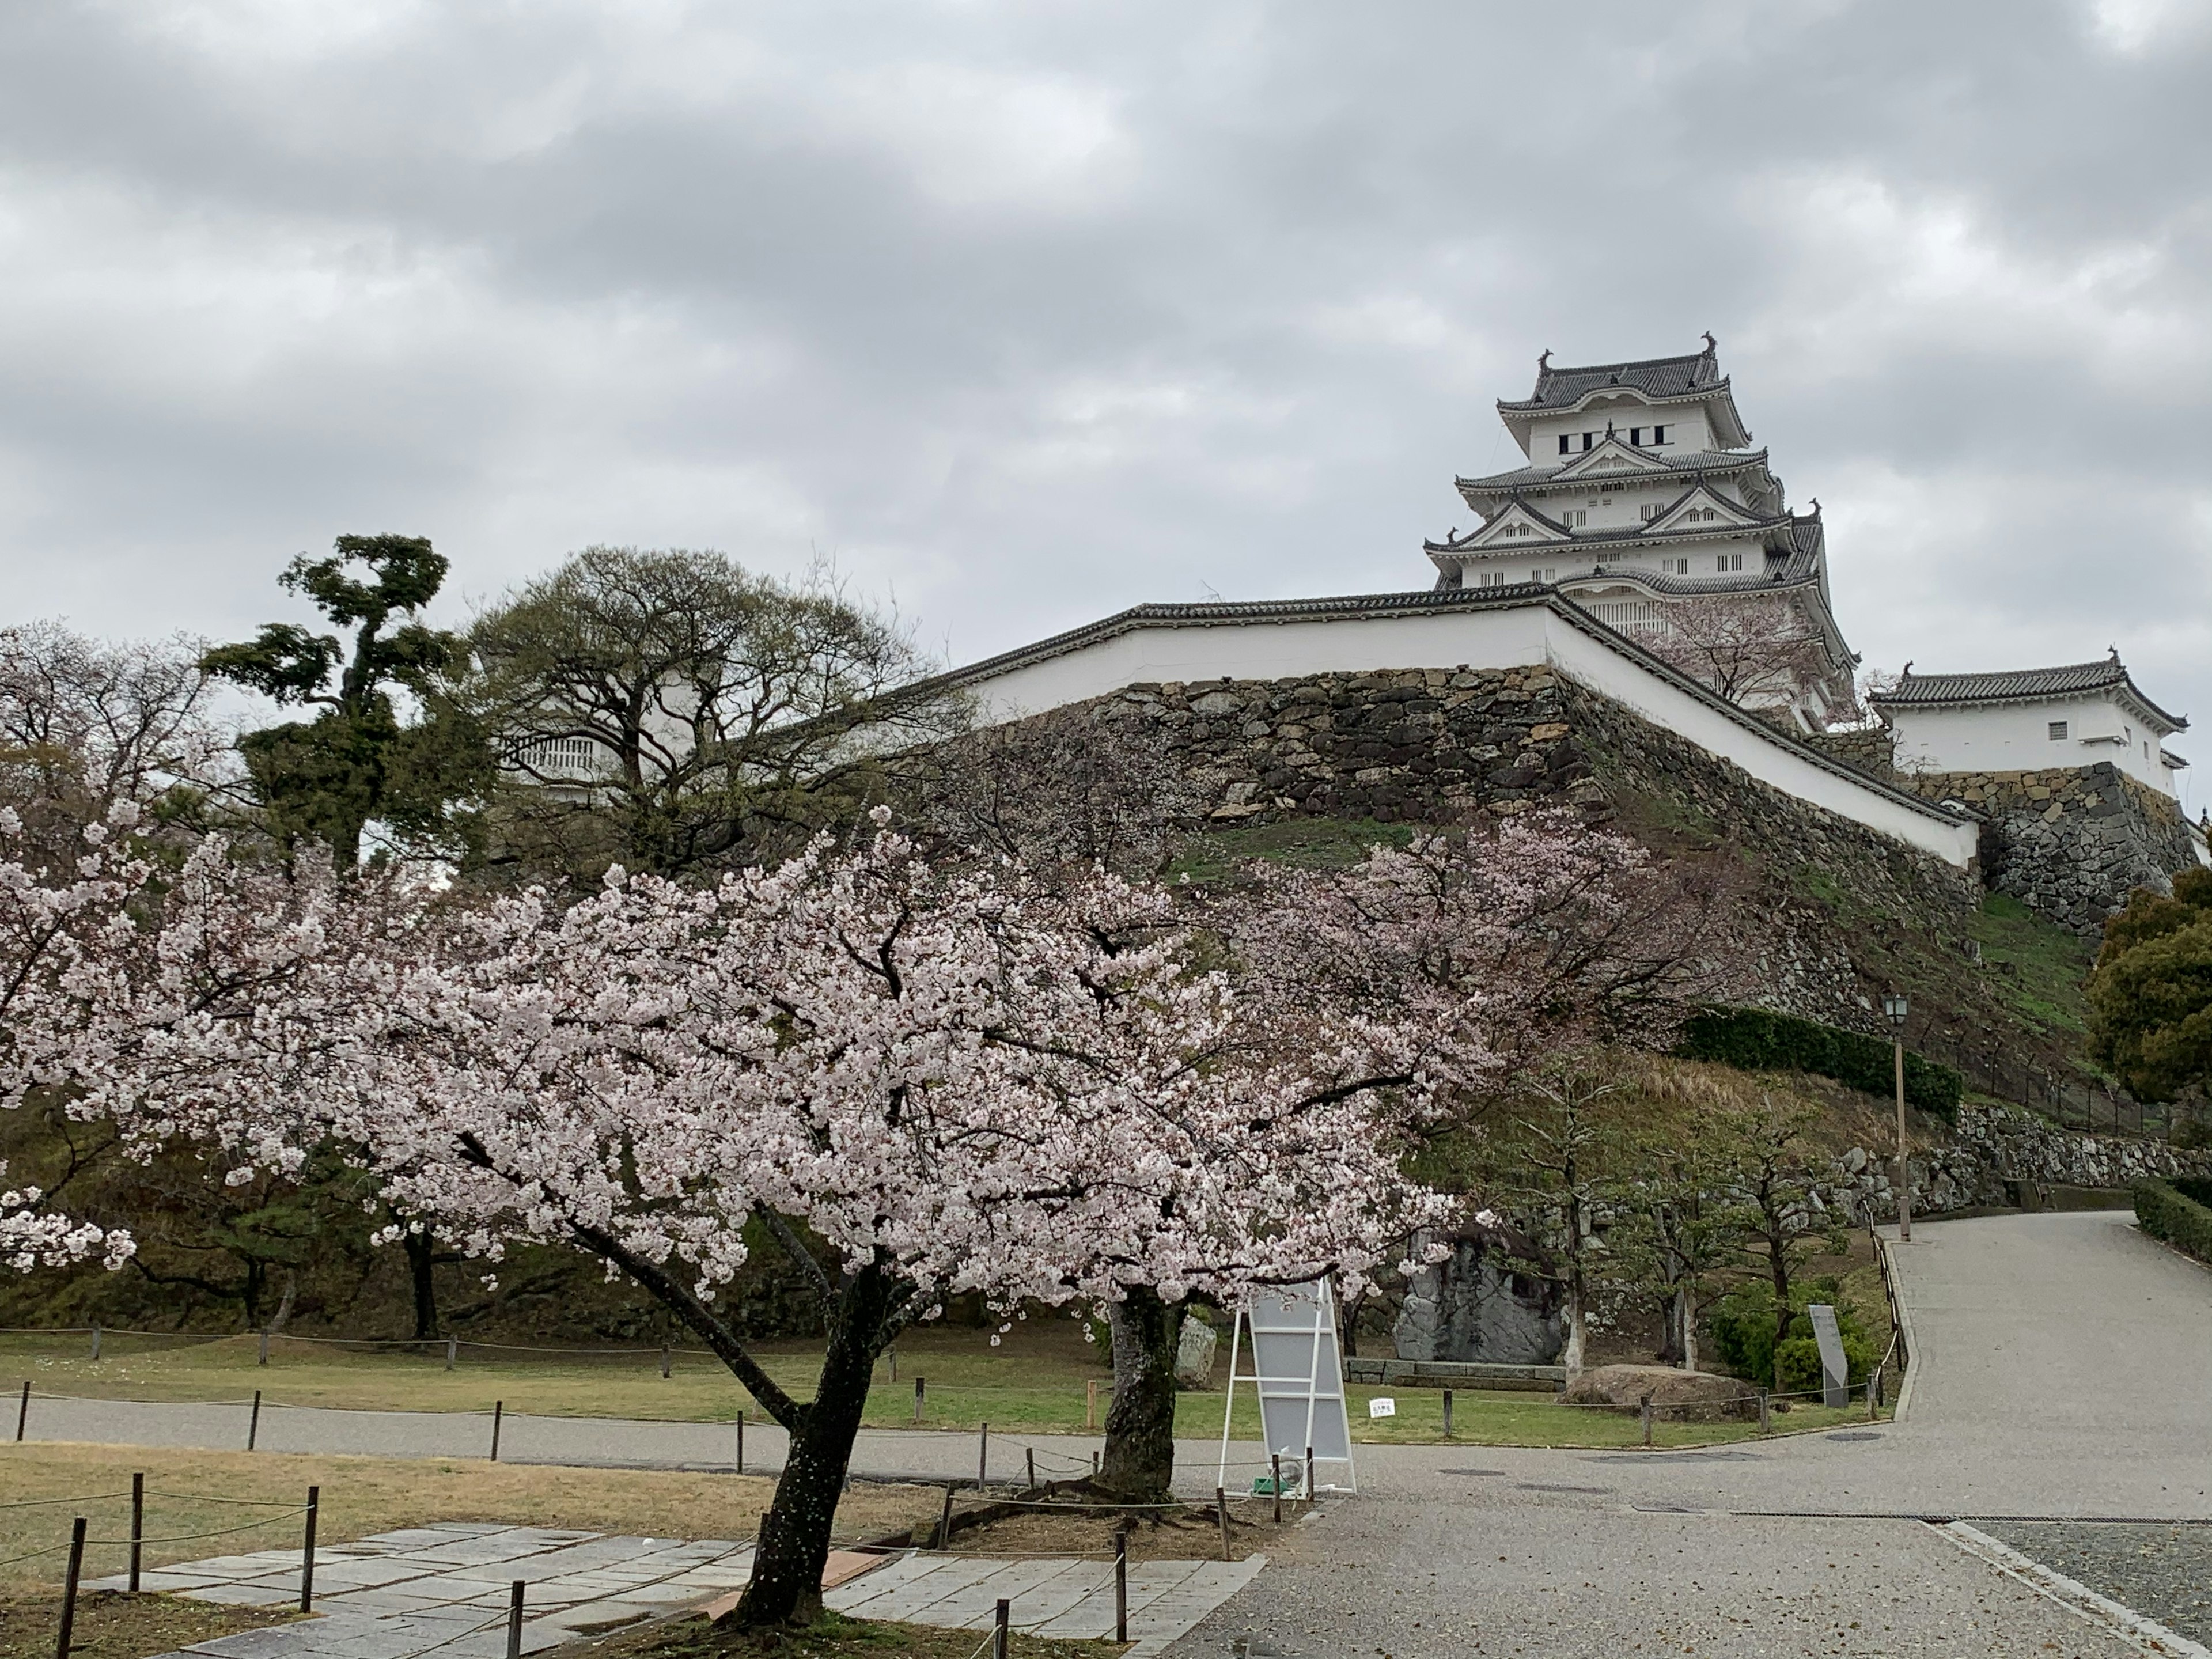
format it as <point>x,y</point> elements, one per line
<point>1033,312</point>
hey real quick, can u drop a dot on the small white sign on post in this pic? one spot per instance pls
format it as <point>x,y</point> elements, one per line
<point>1382,1408</point>
<point>1287,1333</point>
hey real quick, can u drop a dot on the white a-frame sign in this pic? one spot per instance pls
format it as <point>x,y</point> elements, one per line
<point>1289,1334</point>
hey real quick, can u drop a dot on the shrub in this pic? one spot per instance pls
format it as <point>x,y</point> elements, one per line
<point>2172,1211</point>
<point>1758,1039</point>
<point>1743,1336</point>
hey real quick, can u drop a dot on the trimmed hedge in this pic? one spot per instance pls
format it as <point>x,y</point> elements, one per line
<point>1756,1040</point>
<point>2198,1188</point>
<point>2175,1217</point>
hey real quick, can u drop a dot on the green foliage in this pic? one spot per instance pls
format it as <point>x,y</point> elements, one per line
<point>356,762</point>
<point>1315,843</point>
<point>1755,1039</point>
<point>1743,1327</point>
<point>2178,1212</point>
<point>2150,997</point>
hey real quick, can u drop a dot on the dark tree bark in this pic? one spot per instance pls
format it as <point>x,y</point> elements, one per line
<point>794,1539</point>
<point>1139,1457</point>
<point>421,1256</point>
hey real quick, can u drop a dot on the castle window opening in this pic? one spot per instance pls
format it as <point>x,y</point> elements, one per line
<point>1658,434</point>
<point>1564,438</point>
<point>1727,561</point>
<point>2057,730</point>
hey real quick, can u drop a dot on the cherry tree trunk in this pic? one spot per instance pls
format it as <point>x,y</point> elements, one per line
<point>1140,1458</point>
<point>421,1263</point>
<point>794,1538</point>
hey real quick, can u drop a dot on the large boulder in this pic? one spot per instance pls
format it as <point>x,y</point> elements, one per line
<point>1686,1396</point>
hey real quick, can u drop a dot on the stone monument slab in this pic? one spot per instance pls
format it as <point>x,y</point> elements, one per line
<point>1194,1350</point>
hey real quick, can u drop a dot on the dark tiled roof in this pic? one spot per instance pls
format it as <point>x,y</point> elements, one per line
<point>1698,460</point>
<point>2012,685</point>
<point>1659,377</point>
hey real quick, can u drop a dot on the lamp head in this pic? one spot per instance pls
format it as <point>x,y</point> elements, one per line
<point>1896,1004</point>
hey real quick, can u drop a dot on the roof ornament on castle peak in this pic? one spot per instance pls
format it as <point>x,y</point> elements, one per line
<point>1711,344</point>
<point>1544,361</point>
<point>1815,499</point>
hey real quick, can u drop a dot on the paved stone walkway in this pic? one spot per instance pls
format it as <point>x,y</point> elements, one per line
<point>443,1589</point>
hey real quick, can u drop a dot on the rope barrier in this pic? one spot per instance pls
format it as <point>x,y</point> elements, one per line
<point>88,1498</point>
<point>197,1498</point>
<point>220,1532</point>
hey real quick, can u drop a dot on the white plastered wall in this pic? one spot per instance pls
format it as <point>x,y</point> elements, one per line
<point>1507,637</point>
<point>2015,736</point>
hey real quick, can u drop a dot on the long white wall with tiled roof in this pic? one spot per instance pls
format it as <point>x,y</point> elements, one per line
<point>2061,731</point>
<point>1190,643</point>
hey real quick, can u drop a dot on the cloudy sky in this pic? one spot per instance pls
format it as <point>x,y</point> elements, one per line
<point>1024,312</point>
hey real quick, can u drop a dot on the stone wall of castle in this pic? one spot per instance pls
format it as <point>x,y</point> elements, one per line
<point>2069,844</point>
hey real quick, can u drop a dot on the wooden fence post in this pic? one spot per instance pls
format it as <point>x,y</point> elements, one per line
<point>68,1589</point>
<point>1121,1583</point>
<point>308,1551</point>
<point>138,1525</point>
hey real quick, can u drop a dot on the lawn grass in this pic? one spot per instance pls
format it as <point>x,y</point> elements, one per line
<point>1033,1383</point>
<point>365,1495</point>
<point>1043,1397</point>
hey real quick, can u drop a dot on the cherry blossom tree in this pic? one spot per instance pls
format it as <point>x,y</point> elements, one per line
<point>924,1083</point>
<point>1534,934</point>
<point>59,929</point>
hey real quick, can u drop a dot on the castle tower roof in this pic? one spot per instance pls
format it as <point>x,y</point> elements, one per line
<point>1651,382</point>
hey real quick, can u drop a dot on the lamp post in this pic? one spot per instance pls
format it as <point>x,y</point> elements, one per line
<point>1897,1005</point>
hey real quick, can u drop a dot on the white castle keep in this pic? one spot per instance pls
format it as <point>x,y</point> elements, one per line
<point>1644,502</point>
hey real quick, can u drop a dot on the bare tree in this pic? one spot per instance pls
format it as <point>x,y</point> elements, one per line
<point>667,710</point>
<point>84,723</point>
<point>1083,786</point>
<point>1749,649</point>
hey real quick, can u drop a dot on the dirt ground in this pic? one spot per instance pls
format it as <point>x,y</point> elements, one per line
<point>1189,1533</point>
